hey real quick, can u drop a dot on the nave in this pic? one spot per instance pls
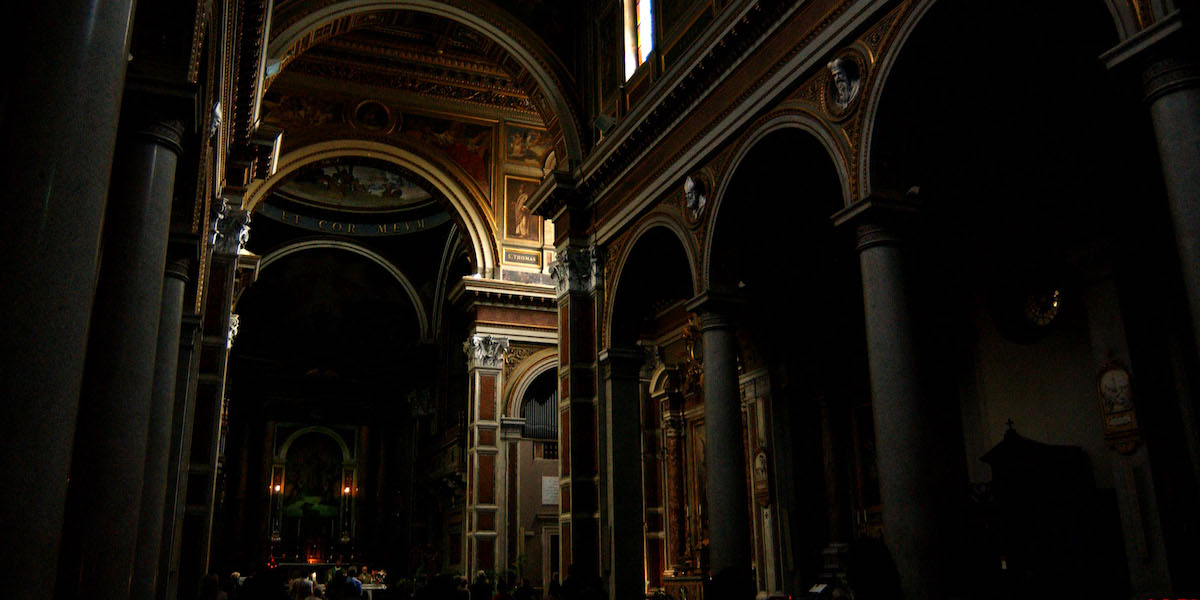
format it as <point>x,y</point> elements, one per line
<point>624,299</point>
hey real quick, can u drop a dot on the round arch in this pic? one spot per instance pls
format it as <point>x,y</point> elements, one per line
<point>659,380</point>
<point>794,119</point>
<point>334,244</point>
<point>654,221</point>
<point>524,375</point>
<point>287,444</point>
<point>514,37</point>
<point>1126,22</point>
<point>464,196</point>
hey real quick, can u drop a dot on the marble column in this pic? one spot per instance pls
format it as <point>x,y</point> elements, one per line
<point>1170,76</point>
<point>907,456</point>
<point>728,509</point>
<point>675,502</point>
<point>162,408</point>
<point>1173,93</point>
<point>57,138</point>
<point>108,465</point>
<point>622,407</point>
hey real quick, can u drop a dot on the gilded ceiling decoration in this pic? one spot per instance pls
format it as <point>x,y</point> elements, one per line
<point>412,52</point>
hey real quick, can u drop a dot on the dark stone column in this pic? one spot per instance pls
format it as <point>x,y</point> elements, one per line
<point>1170,76</point>
<point>622,408</point>
<point>178,459</point>
<point>728,509</point>
<point>907,457</point>
<point>57,137</point>
<point>1173,93</point>
<point>162,408</point>
<point>110,442</point>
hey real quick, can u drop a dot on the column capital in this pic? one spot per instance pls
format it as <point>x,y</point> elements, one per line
<point>177,268</point>
<point>715,308</point>
<point>1163,56</point>
<point>165,132</point>
<point>485,351</point>
<point>230,230</point>
<point>578,268</point>
<point>879,220</point>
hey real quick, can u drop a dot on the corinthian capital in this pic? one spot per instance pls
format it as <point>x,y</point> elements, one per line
<point>231,230</point>
<point>485,351</point>
<point>578,269</point>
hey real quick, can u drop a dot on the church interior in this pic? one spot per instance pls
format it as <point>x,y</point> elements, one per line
<point>623,299</point>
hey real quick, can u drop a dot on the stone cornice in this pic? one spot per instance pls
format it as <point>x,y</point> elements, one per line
<point>1147,39</point>
<point>472,290</point>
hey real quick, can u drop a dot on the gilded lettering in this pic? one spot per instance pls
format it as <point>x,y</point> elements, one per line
<point>337,227</point>
<point>350,228</point>
<point>321,224</point>
<point>382,228</point>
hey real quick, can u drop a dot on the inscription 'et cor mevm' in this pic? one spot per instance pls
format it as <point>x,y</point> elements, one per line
<point>348,228</point>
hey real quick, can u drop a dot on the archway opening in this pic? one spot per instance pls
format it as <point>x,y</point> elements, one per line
<point>1043,231</point>
<point>648,315</point>
<point>802,357</point>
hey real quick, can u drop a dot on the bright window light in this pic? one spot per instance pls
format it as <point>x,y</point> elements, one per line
<point>639,34</point>
<point>645,29</point>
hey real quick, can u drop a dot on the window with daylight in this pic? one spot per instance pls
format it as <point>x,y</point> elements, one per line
<point>639,34</point>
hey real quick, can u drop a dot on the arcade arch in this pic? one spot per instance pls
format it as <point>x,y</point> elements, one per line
<point>552,84</point>
<point>467,203</point>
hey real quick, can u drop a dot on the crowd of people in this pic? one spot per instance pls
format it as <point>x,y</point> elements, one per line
<point>267,582</point>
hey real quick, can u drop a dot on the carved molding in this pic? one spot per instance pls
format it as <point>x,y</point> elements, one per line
<point>485,351</point>
<point>517,354</point>
<point>234,322</point>
<point>1169,74</point>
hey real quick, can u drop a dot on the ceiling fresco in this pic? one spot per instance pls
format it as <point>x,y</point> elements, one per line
<point>355,184</point>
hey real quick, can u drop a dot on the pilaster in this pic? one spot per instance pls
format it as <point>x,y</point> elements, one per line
<point>578,276</point>
<point>485,485</point>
